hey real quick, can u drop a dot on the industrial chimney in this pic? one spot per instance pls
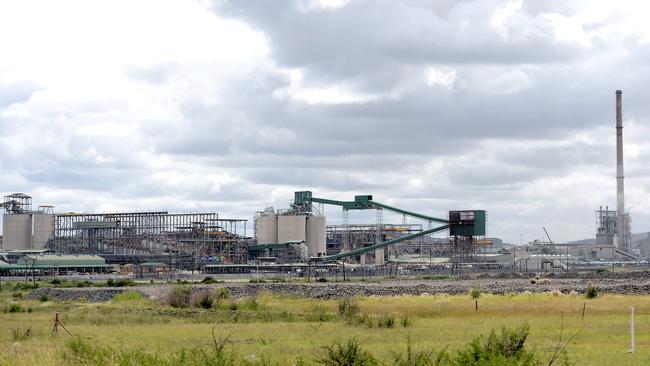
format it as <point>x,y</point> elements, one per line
<point>622,223</point>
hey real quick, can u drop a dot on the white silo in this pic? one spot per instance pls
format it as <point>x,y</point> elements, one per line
<point>267,228</point>
<point>292,228</point>
<point>17,231</point>
<point>316,235</point>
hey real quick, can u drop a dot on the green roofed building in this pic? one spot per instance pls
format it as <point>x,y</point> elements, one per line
<point>57,264</point>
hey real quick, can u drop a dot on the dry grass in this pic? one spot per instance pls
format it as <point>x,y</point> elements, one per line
<point>436,322</point>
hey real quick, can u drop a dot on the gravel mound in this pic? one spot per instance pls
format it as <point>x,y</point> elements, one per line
<point>631,282</point>
<point>91,294</point>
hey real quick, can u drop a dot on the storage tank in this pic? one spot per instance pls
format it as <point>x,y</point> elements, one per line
<point>43,229</point>
<point>292,228</point>
<point>17,231</point>
<point>267,229</point>
<point>316,233</point>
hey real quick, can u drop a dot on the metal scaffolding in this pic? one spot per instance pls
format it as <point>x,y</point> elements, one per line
<point>193,235</point>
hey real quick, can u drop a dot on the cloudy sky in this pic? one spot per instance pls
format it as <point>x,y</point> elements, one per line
<point>231,106</point>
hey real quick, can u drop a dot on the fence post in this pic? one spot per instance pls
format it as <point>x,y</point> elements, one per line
<point>632,326</point>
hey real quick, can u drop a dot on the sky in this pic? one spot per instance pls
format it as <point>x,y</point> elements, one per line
<point>231,106</point>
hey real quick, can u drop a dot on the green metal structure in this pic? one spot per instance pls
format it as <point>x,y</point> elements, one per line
<point>303,203</point>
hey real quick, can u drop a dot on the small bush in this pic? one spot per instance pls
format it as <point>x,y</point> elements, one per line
<point>15,308</point>
<point>346,354</point>
<point>319,313</point>
<point>56,281</point>
<point>257,280</point>
<point>506,348</point>
<point>405,321</point>
<point>17,295</point>
<point>44,297</point>
<point>420,358</point>
<point>321,279</point>
<point>475,293</point>
<point>601,270</point>
<point>122,282</point>
<point>206,301</point>
<point>533,281</point>
<point>209,280</point>
<point>251,304</point>
<point>361,319</point>
<point>592,291</point>
<point>348,307</point>
<point>386,321</point>
<point>222,293</point>
<point>128,296</point>
<point>233,306</point>
<point>180,297</point>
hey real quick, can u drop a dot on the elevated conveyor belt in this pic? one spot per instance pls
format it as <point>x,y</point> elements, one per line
<point>379,245</point>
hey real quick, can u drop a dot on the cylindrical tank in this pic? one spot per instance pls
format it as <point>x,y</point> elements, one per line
<point>291,228</point>
<point>43,229</point>
<point>316,233</point>
<point>17,231</point>
<point>267,229</point>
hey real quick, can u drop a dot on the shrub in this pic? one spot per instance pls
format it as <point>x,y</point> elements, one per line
<point>56,281</point>
<point>346,354</point>
<point>44,297</point>
<point>222,293</point>
<point>180,297</point>
<point>386,321</point>
<point>321,279</point>
<point>122,282</point>
<point>209,280</point>
<point>15,308</point>
<point>233,306</point>
<point>475,293</point>
<point>205,301</point>
<point>420,358</point>
<point>506,348</point>
<point>348,307</point>
<point>361,319</point>
<point>251,304</point>
<point>592,291</point>
<point>405,321</point>
<point>257,280</point>
<point>319,313</point>
<point>533,281</point>
<point>17,295</point>
<point>128,296</point>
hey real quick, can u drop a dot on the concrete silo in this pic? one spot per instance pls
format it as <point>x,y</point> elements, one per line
<point>267,228</point>
<point>16,231</point>
<point>316,233</point>
<point>292,228</point>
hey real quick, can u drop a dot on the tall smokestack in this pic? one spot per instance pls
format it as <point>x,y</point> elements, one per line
<point>620,176</point>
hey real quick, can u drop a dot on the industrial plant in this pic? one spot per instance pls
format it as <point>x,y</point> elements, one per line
<point>296,237</point>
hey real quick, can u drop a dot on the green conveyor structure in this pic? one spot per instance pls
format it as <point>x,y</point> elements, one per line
<point>304,199</point>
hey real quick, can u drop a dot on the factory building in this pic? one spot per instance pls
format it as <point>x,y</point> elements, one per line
<point>289,226</point>
<point>24,228</point>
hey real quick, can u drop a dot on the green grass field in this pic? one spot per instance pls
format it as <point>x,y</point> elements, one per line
<point>283,330</point>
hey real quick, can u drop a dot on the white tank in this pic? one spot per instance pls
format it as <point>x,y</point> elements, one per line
<point>292,228</point>
<point>43,229</point>
<point>316,233</point>
<point>267,229</point>
<point>16,231</point>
